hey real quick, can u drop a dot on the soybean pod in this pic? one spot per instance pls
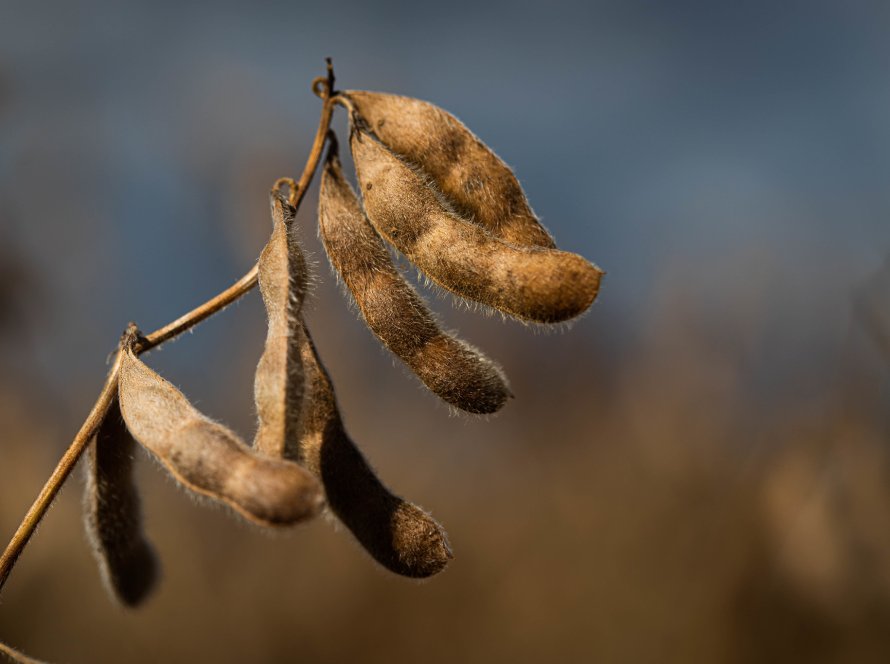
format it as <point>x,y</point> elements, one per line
<point>206,457</point>
<point>113,515</point>
<point>392,309</point>
<point>534,284</point>
<point>278,383</point>
<point>478,183</point>
<point>399,535</point>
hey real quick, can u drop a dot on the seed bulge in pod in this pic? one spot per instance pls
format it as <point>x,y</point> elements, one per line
<point>394,312</point>
<point>113,516</point>
<point>475,180</point>
<point>209,459</point>
<point>400,536</point>
<point>530,283</point>
<point>278,383</point>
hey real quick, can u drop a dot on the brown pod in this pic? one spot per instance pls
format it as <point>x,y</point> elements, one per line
<point>530,283</point>
<point>209,459</point>
<point>451,368</point>
<point>113,516</point>
<point>278,383</point>
<point>400,536</point>
<point>475,180</point>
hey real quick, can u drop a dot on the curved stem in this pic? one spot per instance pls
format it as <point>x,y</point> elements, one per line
<point>323,87</point>
<point>17,656</point>
<point>60,474</point>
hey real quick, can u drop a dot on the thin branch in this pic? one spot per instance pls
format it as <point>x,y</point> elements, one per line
<point>16,656</point>
<point>324,88</point>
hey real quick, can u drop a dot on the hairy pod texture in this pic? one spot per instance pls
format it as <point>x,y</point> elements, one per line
<point>479,184</point>
<point>392,309</point>
<point>400,536</point>
<point>209,459</point>
<point>278,383</point>
<point>534,284</point>
<point>113,516</point>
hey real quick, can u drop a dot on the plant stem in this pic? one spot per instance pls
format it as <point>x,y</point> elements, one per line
<point>17,656</point>
<point>324,88</point>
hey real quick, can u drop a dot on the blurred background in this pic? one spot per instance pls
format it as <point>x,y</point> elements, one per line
<point>698,470</point>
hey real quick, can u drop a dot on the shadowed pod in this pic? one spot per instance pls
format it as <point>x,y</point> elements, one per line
<point>112,514</point>
<point>399,535</point>
<point>392,309</point>
<point>481,187</point>
<point>534,284</point>
<point>206,457</point>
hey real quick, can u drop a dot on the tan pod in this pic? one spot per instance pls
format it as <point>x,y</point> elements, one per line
<point>395,313</point>
<point>278,383</point>
<point>530,283</point>
<point>475,180</point>
<point>209,459</point>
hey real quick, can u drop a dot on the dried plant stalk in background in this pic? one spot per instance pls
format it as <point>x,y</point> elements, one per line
<point>476,181</point>
<point>400,536</point>
<point>530,283</point>
<point>448,366</point>
<point>278,383</point>
<point>206,457</point>
<point>113,516</point>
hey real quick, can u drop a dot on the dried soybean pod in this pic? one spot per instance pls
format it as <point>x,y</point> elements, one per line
<point>278,383</point>
<point>480,185</point>
<point>451,368</point>
<point>400,536</point>
<point>530,283</point>
<point>206,457</point>
<point>113,516</point>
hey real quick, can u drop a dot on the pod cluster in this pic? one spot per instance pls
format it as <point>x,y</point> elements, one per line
<point>435,193</point>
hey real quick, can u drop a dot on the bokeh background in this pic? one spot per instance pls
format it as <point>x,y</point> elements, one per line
<point>698,470</point>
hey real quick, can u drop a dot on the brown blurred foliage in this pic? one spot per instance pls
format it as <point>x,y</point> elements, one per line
<point>638,505</point>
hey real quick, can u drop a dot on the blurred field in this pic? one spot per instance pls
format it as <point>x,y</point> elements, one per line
<point>697,471</point>
<point>641,506</point>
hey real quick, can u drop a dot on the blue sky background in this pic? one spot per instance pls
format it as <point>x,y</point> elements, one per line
<point>141,137</point>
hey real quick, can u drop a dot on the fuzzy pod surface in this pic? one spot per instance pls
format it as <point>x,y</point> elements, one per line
<point>278,382</point>
<point>397,534</point>
<point>113,515</point>
<point>392,309</point>
<point>209,459</point>
<point>534,284</point>
<point>476,181</point>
